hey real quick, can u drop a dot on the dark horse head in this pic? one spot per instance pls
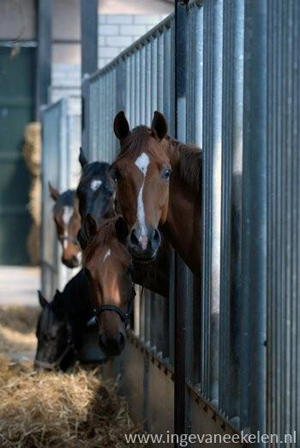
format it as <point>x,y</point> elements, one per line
<point>67,221</point>
<point>54,350</point>
<point>96,190</point>
<point>107,264</point>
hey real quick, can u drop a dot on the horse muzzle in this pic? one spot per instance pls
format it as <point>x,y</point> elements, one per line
<point>143,245</point>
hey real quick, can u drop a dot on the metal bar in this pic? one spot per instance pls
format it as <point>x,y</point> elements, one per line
<point>44,54</point>
<point>181,273</point>
<point>212,137</point>
<point>89,36</point>
<point>232,140</point>
<point>254,217</point>
<point>144,40</point>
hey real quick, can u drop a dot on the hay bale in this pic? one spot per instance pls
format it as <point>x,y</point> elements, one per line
<point>32,148</point>
<point>42,409</point>
<point>32,156</point>
<point>17,331</point>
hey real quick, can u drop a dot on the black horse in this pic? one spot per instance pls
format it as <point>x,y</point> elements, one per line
<point>96,190</point>
<point>64,331</point>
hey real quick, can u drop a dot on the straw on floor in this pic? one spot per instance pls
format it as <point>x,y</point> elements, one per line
<point>45,409</point>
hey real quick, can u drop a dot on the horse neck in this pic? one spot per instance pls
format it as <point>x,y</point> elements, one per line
<point>182,226</point>
<point>155,275</point>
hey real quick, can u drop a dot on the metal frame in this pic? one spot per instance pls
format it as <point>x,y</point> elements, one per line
<point>44,53</point>
<point>218,70</point>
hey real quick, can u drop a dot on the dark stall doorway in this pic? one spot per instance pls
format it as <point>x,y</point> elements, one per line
<point>17,83</point>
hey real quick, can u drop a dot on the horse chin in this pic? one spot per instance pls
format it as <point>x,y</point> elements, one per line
<point>143,259</point>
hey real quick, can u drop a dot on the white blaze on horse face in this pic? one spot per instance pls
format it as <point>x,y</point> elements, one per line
<point>67,213</point>
<point>95,184</point>
<point>107,255</point>
<point>142,162</point>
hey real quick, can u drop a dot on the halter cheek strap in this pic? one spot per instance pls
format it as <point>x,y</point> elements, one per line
<point>123,315</point>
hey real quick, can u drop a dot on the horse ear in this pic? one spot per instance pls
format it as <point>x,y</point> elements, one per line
<point>89,227</point>
<point>121,228</point>
<point>43,302</point>
<point>82,159</point>
<point>159,125</point>
<point>121,126</point>
<point>53,192</point>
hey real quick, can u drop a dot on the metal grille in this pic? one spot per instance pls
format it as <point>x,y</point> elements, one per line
<point>236,94</point>
<point>60,150</point>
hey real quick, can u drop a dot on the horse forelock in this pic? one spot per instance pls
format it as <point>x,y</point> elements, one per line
<point>133,145</point>
<point>66,199</point>
<point>106,237</point>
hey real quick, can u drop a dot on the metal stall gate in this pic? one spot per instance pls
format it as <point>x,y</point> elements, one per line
<point>61,124</point>
<point>226,75</point>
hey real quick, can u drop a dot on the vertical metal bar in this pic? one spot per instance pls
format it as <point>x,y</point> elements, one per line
<point>160,72</point>
<point>128,88</point>
<point>89,36</point>
<point>132,91</point>
<point>44,52</point>
<point>181,273</point>
<point>167,75</point>
<point>212,135</point>
<point>254,216</point>
<point>198,76</point>
<point>232,141</point>
<point>153,74</point>
<point>142,85</point>
<point>137,87</point>
<point>283,243</point>
<point>85,116</point>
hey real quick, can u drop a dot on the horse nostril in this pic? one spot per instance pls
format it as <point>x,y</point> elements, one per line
<point>133,238</point>
<point>155,239</point>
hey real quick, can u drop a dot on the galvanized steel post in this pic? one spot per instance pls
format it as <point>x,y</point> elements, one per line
<point>181,272</point>
<point>254,280</point>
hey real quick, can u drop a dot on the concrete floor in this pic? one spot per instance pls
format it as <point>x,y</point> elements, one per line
<point>19,285</point>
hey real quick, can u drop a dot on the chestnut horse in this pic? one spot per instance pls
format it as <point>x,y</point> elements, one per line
<point>108,267</point>
<point>153,274</point>
<point>159,189</point>
<point>67,221</point>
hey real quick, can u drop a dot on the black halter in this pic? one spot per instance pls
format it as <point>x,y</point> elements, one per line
<point>123,315</point>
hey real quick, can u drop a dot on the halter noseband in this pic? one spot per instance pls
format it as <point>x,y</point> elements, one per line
<point>71,239</point>
<point>110,307</point>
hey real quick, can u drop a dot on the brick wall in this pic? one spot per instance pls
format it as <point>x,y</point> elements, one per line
<point>117,32</point>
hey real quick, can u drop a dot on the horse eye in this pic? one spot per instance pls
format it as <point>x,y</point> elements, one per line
<point>117,176</point>
<point>167,173</point>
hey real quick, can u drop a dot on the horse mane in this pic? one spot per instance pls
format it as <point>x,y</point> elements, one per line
<point>187,157</point>
<point>105,236</point>
<point>94,169</point>
<point>132,146</point>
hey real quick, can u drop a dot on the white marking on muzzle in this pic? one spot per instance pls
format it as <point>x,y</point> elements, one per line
<point>95,184</point>
<point>142,162</point>
<point>107,255</point>
<point>67,214</point>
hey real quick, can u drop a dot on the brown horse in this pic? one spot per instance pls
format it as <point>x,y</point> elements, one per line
<point>67,221</point>
<point>159,188</point>
<point>107,264</point>
<point>154,274</point>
